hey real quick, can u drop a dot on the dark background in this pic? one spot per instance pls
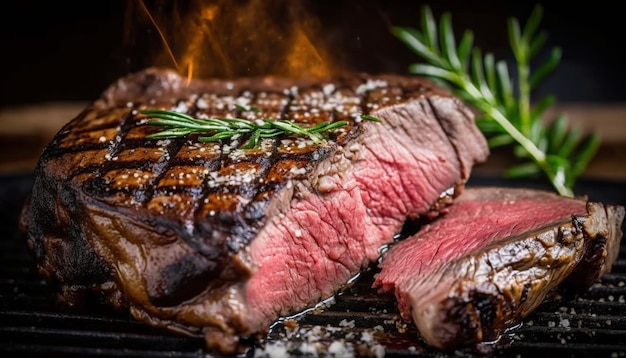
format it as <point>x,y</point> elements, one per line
<point>71,50</point>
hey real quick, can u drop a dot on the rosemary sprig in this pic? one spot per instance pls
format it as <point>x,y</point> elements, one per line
<point>508,118</point>
<point>214,129</point>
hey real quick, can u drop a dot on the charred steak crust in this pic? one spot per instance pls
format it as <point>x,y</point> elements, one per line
<point>206,237</point>
<point>494,257</point>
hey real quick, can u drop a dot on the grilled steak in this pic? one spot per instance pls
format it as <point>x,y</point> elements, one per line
<point>493,257</point>
<point>208,238</point>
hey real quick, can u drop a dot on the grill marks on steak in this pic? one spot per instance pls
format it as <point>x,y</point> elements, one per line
<point>205,237</point>
<point>493,257</point>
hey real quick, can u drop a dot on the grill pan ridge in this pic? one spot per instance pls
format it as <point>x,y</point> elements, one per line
<point>356,322</point>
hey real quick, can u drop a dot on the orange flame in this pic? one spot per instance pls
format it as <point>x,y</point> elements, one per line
<point>226,38</point>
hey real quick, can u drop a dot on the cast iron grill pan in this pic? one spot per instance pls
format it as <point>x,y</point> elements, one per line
<point>355,322</point>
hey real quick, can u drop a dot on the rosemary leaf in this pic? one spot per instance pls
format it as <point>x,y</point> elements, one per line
<point>515,37</point>
<point>478,76</point>
<point>532,25</point>
<point>429,26</point>
<point>247,109</point>
<point>545,69</point>
<point>415,39</point>
<point>558,131</point>
<point>500,140</point>
<point>448,43</point>
<point>588,148</point>
<point>326,126</point>
<point>169,133</point>
<point>434,71</point>
<point>370,118</point>
<point>523,170</point>
<point>504,81</point>
<point>569,144</point>
<point>219,135</point>
<point>490,72</point>
<point>537,43</point>
<point>540,107</point>
<point>465,49</point>
<point>489,127</point>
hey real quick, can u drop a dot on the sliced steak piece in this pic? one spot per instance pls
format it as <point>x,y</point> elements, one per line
<point>493,257</point>
<point>208,238</point>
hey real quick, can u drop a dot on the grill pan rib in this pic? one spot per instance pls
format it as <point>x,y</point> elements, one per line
<point>358,322</point>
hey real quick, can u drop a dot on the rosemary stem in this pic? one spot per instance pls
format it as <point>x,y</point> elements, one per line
<point>557,179</point>
<point>215,129</point>
<point>530,147</point>
<point>479,101</point>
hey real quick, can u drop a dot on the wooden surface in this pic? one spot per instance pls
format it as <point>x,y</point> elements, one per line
<point>24,131</point>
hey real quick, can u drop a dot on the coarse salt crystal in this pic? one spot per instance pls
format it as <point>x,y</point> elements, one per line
<point>297,171</point>
<point>202,103</point>
<point>181,107</point>
<point>328,89</point>
<point>340,349</point>
<point>370,85</point>
<point>346,323</point>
